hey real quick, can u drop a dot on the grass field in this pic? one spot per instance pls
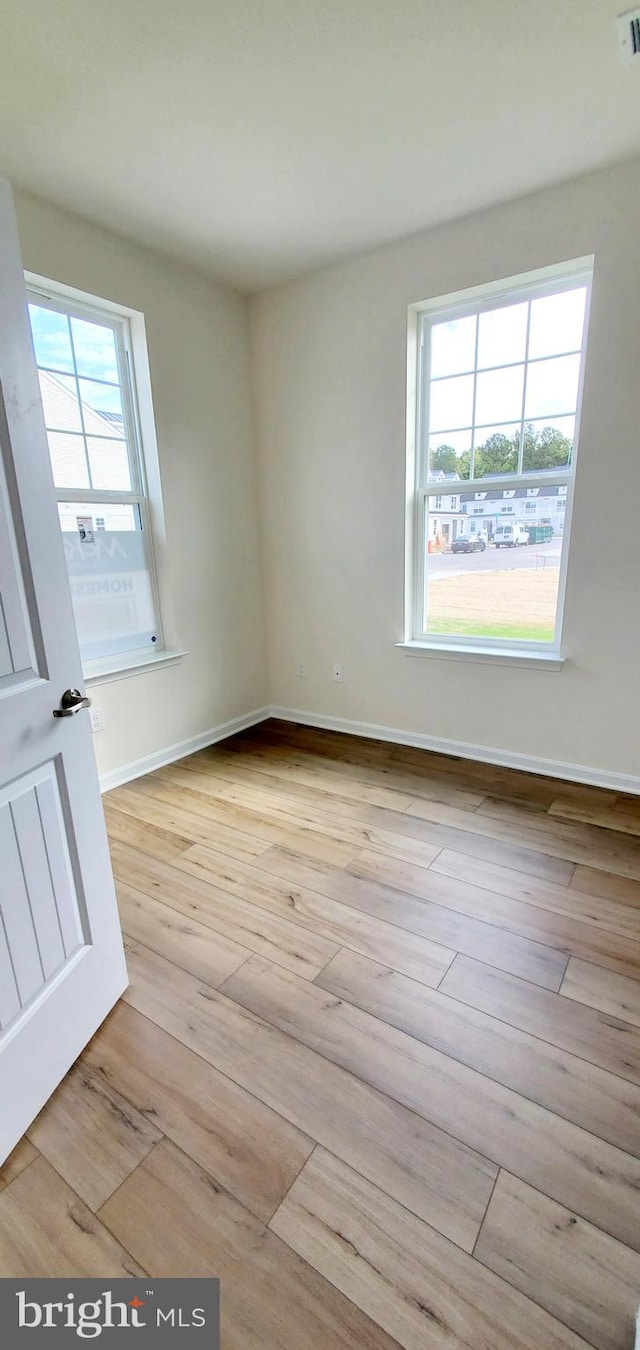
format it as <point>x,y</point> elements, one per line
<point>518,604</point>
<point>523,632</point>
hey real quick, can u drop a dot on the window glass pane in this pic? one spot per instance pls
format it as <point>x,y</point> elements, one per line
<point>499,395</point>
<point>68,460</point>
<point>109,577</point>
<point>513,394</point>
<point>95,350</point>
<point>548,445</point>
<point>453,346</point>
<point>113,515</point>
<point>60,402</point>
<point>494,565</point>
<point>51,338</point>
<point>496,449</point>
<point>557,322</point>
<point>105,400</point>
<point>109,464</point>
<point>451,403</point>
<point>502,335</point>
<point>105,545</point>
<point>450,454</point>
<point>552,387</point>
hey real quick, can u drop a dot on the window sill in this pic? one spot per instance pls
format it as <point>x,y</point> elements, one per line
<point>120,667</point>
<point>504,656</point>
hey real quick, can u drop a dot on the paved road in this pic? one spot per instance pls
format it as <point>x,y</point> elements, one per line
<point>496,559</point>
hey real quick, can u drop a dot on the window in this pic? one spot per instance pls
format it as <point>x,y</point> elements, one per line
<point>437,503</point>
<point>498,379</point>
<point>84,355</point>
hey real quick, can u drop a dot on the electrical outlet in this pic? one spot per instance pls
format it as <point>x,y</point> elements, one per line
<point>97,719</point>
<point>301,670</point>
<point>337,674</point>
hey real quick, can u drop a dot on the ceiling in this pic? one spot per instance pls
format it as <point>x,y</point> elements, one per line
<point>260,138</point>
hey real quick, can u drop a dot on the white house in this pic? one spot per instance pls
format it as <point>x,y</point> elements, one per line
<point>446,520</point>
<point>525,506</point>
<point>65,415</point>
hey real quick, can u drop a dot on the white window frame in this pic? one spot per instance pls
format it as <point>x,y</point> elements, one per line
<point>146,492</point>
<point>419,489</point>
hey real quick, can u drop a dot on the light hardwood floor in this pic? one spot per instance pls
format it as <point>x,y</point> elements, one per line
<point>379,1063</point>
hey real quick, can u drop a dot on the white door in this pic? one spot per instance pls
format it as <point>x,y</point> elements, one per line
<point>61,958</point>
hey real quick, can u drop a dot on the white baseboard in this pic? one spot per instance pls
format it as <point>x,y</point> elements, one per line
<point>510,759</point>
<point>138,767</point>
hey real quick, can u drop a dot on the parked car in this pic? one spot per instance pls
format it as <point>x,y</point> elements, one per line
<point>469,543</point>
<point>509,536</point>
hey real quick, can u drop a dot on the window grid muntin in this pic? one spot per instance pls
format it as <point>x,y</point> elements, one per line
<point>482,426</point>
<point>575,278</point>
<point>69,374</point>
<point>138,495</point>
<point>91,436</point>
<point>481,370</point>
<point>428,323</point>
<point>120,329</point>
<point>563,481</point>
<point>76,380</point>
<point>524,392</point>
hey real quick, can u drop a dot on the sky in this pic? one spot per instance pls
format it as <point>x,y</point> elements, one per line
<point>81,357</point>
<point>553,356</point>
<point>95,355</point>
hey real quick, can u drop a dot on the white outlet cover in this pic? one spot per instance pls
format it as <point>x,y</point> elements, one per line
<point>97,719</point>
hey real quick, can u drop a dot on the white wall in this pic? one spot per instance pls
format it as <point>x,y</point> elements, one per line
<point>197,336</point>
<point>329,382</point>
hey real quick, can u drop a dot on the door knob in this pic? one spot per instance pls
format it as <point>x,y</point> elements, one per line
<point>71,702</point>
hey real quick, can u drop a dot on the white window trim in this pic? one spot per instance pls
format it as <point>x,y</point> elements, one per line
<point>148,467</point>
<point>504,656</point>
<point>470,301</point>
<point>104,669</point>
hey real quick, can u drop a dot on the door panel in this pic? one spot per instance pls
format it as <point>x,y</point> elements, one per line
<point>61,958</point>
<point>72,917</point>
<point>41,916</point>
<point>30,852</point>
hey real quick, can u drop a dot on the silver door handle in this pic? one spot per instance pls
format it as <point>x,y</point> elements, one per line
<point>71,702</point>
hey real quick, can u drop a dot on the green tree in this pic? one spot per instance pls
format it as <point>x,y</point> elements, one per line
<point>463,467</point>
<point>547,449</point>
<point>499,454</point>
<point>443,459</point>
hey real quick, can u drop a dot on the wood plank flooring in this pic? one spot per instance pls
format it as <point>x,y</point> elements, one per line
<point>378,1066</point>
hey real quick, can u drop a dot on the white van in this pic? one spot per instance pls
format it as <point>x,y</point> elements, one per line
<point>510,536</point>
